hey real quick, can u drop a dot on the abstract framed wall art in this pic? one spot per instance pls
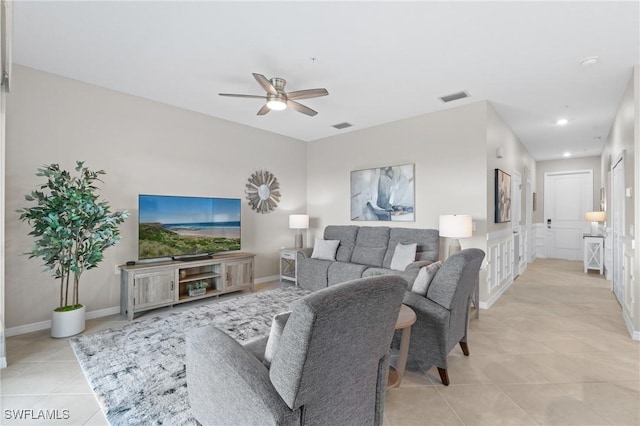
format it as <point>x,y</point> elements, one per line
<point>502,196</point>
<point>383,194</point>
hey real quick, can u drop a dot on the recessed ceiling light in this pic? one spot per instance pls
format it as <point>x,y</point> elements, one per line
<point>566,154</point>
<point>562,122</point>
<point>591,60</point>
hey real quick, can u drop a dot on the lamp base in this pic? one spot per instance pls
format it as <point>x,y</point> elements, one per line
<point>298,243</point>
<point>453,247</point>
<point>594,228</point>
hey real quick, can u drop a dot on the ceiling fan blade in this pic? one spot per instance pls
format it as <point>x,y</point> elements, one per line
<point>306,94</point>
<point>265,109</point>
<point>301,108</point>
<point>265,83</point>
<point>234,95</point>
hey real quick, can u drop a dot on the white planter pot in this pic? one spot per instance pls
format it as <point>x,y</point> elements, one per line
<point>65,324</point>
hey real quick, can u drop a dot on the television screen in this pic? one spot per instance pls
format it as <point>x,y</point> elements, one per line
<point>172,226</point>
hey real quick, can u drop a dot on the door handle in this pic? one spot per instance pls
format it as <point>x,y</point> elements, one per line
<point>549,223</point>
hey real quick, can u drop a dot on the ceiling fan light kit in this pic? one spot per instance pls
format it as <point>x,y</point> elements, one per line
<point>276,102</point>
<point>277,99</point>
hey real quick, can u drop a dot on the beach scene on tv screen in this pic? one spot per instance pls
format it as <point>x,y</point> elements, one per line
<point>179,226</point>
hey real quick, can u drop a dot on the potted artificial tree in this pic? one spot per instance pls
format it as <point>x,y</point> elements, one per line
<point>72,229</point>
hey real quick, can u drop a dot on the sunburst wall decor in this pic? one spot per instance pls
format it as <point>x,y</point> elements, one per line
<point>263,191</point>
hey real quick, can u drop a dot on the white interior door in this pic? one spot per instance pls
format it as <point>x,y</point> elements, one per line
<point>567,196</point>
<point>617,227</point>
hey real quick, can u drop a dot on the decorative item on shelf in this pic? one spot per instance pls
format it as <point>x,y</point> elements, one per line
<point>502,196</point>
<point>72,228</point>
<point>594,218</point>
<point>198,288</point>
<point>454,227</point>
<point>263,191</point>
<point>299,222</point>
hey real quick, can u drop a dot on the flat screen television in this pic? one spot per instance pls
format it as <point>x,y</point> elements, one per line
<point>184,227</point>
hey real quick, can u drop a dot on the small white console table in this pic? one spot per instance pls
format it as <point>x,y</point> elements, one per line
<point>593,252</point>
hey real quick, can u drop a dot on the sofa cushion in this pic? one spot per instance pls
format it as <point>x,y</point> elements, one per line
<point>424,278</point>
<point>325,249</point>
<point>428,243</point>
<point>371,245</point>
<point>312,273</point>
<point>340,272</point>
<point>347,236</point>
<point>403,255</point>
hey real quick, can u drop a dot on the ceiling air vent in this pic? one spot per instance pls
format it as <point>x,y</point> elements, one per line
<point>454,96</point>
<point>341,126</point>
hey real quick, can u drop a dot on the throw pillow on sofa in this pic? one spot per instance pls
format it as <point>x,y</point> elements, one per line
<point>403,255</point>
<point>325,249</point>
<point>424,278</point>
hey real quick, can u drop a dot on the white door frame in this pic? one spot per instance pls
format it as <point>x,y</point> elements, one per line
<point>618,227</point>
<point>516,219</point>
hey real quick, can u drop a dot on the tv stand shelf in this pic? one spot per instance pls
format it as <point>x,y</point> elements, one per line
<point>147,286</point>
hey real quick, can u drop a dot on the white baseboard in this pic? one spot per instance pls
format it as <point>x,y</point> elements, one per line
<point>635,334</point>
<point>494,297</point>
<point>43,325</point>
<point>103,312</point>
<point>267,279</point>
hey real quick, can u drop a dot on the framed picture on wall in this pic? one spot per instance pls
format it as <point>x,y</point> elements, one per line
<point>502,196</point>
<point>383,194</point>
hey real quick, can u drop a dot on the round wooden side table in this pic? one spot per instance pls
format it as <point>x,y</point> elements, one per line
<point>406,318</point>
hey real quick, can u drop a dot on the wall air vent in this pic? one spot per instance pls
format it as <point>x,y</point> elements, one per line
<point>454,96</point>
<point>341,126</point>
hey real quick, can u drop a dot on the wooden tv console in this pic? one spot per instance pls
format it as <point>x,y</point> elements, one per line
<point>145,286</point>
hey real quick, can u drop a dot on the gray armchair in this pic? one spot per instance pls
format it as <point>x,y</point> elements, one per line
<point>329,364</point>
<point>443,315</point>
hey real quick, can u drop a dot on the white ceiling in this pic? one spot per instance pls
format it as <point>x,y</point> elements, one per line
<point>380,61</point>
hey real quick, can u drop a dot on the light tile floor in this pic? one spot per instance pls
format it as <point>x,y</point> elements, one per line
<point>552,351</point>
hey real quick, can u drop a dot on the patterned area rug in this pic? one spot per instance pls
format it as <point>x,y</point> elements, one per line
<point>138,371</point>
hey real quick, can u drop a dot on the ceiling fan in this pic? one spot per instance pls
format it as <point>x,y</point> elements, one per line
<point>278,99</point>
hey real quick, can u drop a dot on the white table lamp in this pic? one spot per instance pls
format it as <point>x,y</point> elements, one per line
<point>454,226</point>
<point>594,218</point>
<point>299,222</point>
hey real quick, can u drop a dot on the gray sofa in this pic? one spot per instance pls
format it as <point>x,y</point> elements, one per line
<point>366,251</point>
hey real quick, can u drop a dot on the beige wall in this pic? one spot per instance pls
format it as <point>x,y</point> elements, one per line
<point>584,163</point>
<point>454,155</point>
<point>447,148</point>
<point>515,158</point>
<point>145,147</point>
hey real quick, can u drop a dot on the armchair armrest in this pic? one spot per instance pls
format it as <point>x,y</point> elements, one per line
<point>228,385</point>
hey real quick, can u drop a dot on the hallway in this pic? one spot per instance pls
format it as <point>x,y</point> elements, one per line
<point>553,350</point>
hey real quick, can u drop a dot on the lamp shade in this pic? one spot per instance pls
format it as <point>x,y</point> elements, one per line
<point>594,216</point>
<point>456,226</point>
<point>298,221</point>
